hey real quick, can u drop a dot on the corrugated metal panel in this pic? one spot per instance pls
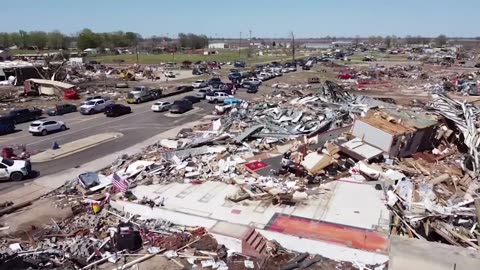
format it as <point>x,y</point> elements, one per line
<point>372,135</point>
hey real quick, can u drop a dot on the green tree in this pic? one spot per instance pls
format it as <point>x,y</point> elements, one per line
<point>38,39</point>
<point>16,39</point>
<point>23,39</point>
<point>5,40</point>
<point>131,38</point>
<point>57,40</point>
<point>88,39</point>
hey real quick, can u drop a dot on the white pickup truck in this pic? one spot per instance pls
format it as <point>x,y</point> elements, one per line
<point>216,97</point>
<point>94,106</point>
<point>14,170</point>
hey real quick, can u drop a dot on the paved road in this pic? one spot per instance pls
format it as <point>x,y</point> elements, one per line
<point>138,126</point>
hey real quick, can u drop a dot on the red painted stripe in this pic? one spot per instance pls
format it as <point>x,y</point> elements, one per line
<point>335,233</point>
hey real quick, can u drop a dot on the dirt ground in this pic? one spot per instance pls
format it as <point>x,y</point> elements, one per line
<point>32,218</point>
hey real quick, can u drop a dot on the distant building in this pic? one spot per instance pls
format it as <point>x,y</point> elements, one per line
<point>317,45</point>
<point>341,43</point>
<point>91,51</point>
<point>218,45</point>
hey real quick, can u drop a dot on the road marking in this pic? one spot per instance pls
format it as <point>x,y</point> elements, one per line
<point>85,128</point>
<point>84,118</point>
<point>194,110</point>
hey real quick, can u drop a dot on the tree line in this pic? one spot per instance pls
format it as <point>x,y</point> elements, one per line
<point>38,39</point>
<point>89,39</point>
<point>192,41</point>
<point>56,40</point>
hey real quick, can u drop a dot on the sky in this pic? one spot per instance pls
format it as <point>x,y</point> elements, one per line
<point>265,18</point>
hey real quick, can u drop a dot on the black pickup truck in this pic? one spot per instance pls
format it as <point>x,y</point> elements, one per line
<point>25,115</point>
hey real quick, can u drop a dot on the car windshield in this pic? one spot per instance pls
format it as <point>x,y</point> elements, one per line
<point>35,124</point>
<point>199,81</point>
<point>7,162</point>
<point>136,88</point>
<point>90,103</point>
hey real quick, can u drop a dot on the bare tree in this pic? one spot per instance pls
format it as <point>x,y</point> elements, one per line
<point>356,40</point>
<point>441,40</point>
<point>388,42</point>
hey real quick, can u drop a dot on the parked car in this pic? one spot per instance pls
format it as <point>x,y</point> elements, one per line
<point>25,115</point>
<point>202,93</point>
<point>14,170</point>
<point>113,110</point>
<point>199,84</point>
<point>235,76</point>
<point>92,97</point>
<point>62,109</point>
<point>169,74</point>
<point>229,101</point>
<point>217,97</point>
<point>43,127</point>
<point>181,106</point>
<point>192,99</point>
<point>156,93</point>
<point>184,88</point>
<point>250,81</point>
<point>252,88</point>
<point>239,64</point>
<point>161,106</point>
<point>214,81</point>
<point>94,106</point>
<point>7,125</point>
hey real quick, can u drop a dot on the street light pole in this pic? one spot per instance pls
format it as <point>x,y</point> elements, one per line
<point>136,49</point>
<point>239,44</point>
<point>250,44</point>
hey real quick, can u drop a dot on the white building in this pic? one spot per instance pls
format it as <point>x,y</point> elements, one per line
<point>218,45</point>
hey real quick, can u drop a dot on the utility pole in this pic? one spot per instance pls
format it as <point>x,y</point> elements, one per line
<point>239,44</point>
<point>250,44</point>
<point>136,49</point>
<point>293,46</point>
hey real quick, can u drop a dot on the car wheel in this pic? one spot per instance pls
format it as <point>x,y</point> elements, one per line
<point>63,128</point>
<point>16,176</point>
<point>37,117</point>
<point>215,101</point>
<point>14,122</point>
<point>138,101</point>
<point>44,132</point>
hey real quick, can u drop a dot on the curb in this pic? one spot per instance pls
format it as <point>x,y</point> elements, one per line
<point>55,156</point>
<point>44,185</point>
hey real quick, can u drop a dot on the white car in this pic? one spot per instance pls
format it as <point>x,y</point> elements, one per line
<point>169,74</point>
<point>199,84</point>
<point>217,97</point>
<point>95,106</point>
<point>14,170</point>
<point>161,106</point>
<point>43,127</point>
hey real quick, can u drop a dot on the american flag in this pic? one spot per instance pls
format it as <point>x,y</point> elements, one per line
<point>119,183</point>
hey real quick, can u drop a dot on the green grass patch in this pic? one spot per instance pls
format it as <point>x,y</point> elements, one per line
<point>225,56</point>
<point>13,52</point>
